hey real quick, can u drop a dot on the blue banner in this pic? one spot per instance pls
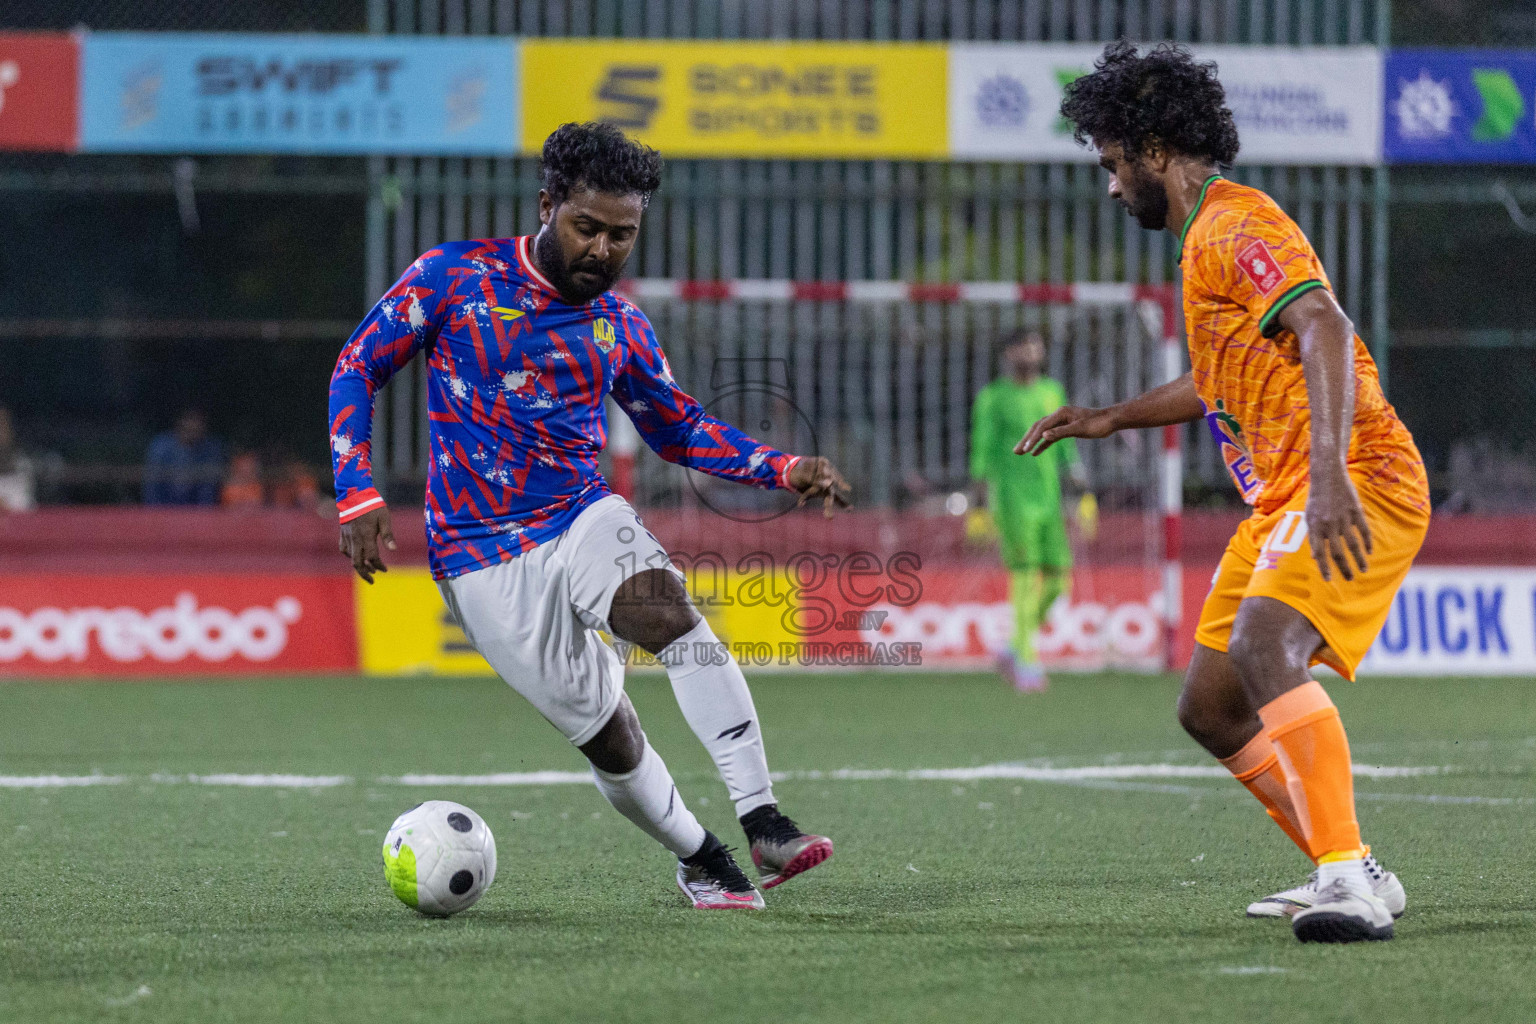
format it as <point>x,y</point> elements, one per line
<point>1460,106</point>
<point>164,92</point>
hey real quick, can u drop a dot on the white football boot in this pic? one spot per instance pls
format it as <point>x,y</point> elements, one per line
<point>1384,885</point>
<point>1343,911</point>
<point>712,880</point>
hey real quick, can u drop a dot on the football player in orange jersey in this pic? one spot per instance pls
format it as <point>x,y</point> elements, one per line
<point>1339,496</point>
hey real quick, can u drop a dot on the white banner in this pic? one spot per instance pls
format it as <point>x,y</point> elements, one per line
<point>1459,621</point>
<point>1293,105</point>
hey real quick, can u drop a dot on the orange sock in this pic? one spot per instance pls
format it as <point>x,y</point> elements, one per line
<point>1313,751</point>
<point>1257,767</point>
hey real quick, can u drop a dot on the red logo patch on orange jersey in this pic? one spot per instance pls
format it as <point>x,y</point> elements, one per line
<point>1259,266</point>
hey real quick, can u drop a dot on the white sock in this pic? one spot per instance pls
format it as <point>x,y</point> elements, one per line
<point>718,706</point>
<point>1352,872</point>
<point>648,797</point>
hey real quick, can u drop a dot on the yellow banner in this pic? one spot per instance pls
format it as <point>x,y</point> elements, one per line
<point>749,99</point>
<point>404,628</point>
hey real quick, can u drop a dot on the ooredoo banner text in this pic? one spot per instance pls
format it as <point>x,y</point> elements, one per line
<point>152,625</point>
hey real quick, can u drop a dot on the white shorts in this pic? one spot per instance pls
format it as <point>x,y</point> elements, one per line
<point>536,617</point>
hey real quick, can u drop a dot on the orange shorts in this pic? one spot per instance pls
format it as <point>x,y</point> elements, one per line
<point>1270,556</point>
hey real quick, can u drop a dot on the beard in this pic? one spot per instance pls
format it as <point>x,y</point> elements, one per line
<point>1150,205</point>
<point>562,273</point>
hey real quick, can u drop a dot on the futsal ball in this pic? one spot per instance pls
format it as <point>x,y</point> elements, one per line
<point>439,857</point>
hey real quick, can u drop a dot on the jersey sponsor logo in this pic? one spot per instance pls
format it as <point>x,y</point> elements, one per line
<point>506,312</point>
<point>1234,451</point>
<point>1258,264</point>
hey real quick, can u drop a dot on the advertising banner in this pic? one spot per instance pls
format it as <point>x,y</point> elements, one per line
<point>827,612</point>
<point>963,619</point>
<point>153,625</point>
<point>742,99</point>
<point>39,91</point>
<point>404,628</point>
<point>1459,621</point>
<point>1293,105</point>
<point>1460,106</point>
<point>168,92</point>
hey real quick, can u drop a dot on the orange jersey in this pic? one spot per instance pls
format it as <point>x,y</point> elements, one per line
<point>1244,261</point>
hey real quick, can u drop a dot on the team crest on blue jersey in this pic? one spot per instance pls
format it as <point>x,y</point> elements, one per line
<point>603,333</point>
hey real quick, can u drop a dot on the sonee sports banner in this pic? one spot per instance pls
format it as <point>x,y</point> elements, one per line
<point>743,99</point>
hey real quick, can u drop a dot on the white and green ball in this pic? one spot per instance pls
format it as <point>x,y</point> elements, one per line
<point>439,857</point>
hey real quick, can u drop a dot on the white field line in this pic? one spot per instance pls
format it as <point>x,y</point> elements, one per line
<point>549,778</point>
<point>59,781</point>
<point>257,781</point>
<point>1028,773</point>
<point>1120,777</point>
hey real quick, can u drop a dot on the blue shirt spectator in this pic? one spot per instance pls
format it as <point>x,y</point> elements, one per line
<point>184,466</point>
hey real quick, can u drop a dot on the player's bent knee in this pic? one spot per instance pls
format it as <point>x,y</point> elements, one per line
<point>1207,723</point>
<point>1192,717</point>
<point>652,608</point>
<point>620,744</point>
<point>1212,707</point>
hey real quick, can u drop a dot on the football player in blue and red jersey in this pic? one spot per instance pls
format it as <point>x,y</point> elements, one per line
<point>523,338</point>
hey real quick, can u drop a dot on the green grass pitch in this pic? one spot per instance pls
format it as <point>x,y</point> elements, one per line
<point>1000,900</point>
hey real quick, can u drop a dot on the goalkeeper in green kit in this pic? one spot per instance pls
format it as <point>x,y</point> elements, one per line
<point>1024,497</point>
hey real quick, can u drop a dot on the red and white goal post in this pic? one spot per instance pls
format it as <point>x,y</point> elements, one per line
<point>1156,307</point>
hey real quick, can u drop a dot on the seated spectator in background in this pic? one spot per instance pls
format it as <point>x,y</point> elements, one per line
<point>17,479</point>
<point>296,487</point>
<point>184,465</point>
<point>242,487</point>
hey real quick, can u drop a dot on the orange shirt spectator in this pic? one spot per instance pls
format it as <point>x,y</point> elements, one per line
<point>296,487</point>
<point>242,487</point>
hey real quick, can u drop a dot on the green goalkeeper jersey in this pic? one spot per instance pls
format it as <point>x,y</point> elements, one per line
<point>1003,413</point>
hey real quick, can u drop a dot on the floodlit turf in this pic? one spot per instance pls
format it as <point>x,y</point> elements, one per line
<point>1115,901</point>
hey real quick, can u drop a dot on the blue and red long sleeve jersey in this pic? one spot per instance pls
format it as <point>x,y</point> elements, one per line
<point>516,379</point>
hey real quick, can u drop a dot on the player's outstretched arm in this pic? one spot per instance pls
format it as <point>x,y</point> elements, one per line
<point>364,539</point>
<point>1174,402</point>
<point>814,476</point>
<point>677,428</point>
<point>1336,524</point>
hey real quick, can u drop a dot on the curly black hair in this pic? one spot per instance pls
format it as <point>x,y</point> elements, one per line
<point>600,157</point>
<point>1163,95</point>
